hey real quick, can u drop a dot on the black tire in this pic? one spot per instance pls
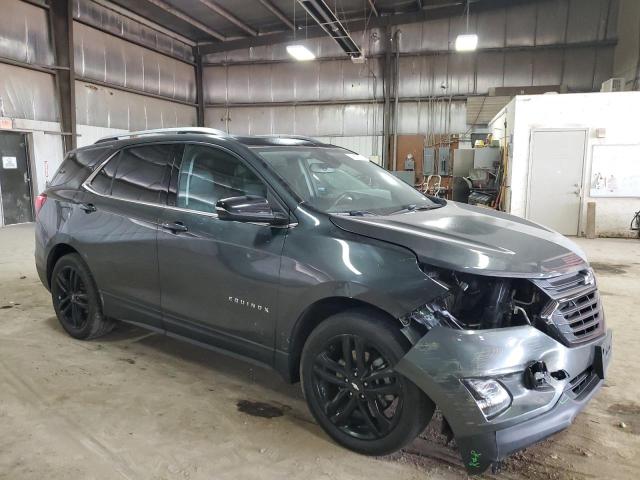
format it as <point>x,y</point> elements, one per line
<point>398,411</point>
<point>76,300</point>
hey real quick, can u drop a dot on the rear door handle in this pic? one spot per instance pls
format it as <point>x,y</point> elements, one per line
<point>88,207</point>
<point>175,227</point>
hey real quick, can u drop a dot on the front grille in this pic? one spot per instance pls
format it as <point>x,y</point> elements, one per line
<point>567,285</point>
<point>574,307</point>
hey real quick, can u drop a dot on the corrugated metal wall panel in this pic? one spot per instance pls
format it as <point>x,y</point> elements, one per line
<point>579,67</point>
<point>490,71</point>
<point>306,120</point>
<point>27,94</point>
<point>422,75</point>
<point>604,65</point>
<point>313,120</point>
<point>547,67</point>
<point>329,77</point>
<point>111,21</point>
<point>306,83</point>
<point>491,28</point>
<point>282,84</point>
<point>109,59</point>
<point>552,19</point>
<point>586,20</point>
<point>435,34</point>
<point>106,107</point>
<point>518,69</point>
<point>24,33</point>
<point>521,25</point>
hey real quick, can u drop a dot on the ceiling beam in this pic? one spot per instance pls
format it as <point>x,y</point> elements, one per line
<point>314,31</point>
<point>191,21</point>
<point>276,11</point>
<point>225,14</point>
<point>373,8</point>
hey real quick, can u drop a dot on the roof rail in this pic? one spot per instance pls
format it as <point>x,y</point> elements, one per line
<point>160,131</point>
<point>293,137</point>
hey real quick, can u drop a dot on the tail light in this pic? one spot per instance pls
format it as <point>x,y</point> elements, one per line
<point>40,199</point>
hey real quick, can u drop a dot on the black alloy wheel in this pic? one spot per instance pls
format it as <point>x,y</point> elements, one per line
<point>76,299</point>
<point>357,387</point>
<point>71,297</point>
<point>348,377</point>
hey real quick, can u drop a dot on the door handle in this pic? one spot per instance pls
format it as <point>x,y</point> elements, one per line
<point>175,227</point>
<point>88,207</point>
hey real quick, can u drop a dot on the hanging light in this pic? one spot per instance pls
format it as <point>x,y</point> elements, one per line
<point>300,52</point>
<point>467,42</point>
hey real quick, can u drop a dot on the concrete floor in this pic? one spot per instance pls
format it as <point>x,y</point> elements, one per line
<point>139,406</point>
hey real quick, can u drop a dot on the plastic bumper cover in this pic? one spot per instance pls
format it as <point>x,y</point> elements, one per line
<point>444,356</point>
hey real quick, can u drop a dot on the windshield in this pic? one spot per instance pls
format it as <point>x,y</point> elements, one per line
<point>334,180</point>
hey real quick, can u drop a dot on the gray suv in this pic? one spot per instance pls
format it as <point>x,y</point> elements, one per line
<point>310,259</point>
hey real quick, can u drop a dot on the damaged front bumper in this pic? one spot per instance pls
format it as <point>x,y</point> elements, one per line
<point>440,361</point>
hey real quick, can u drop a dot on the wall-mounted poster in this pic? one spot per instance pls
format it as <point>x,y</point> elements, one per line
<point>615,171</point>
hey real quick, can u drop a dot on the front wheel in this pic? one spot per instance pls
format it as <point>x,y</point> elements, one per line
<point>352,389</point>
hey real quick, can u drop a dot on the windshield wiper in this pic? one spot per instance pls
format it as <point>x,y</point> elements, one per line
<point>356,213</point>
<point>413,208</point>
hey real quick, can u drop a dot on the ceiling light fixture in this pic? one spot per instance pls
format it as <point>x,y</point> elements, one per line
<point>300,52</point>
<point>467,42</point>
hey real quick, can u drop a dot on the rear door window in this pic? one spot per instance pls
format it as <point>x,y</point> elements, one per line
<point>141,173</point>
<point>137,173</point>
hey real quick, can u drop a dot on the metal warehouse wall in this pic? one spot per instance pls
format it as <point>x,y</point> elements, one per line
<point>146,80</point>
<point>259,90</point>
<point>24,37</point>
<point>120,84</point>
<point>129,76</point>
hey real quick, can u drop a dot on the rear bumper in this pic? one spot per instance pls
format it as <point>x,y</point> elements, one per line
<point>437,365</point>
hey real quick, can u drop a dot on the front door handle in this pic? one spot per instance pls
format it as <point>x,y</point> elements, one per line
<point>175,227</point>
<point>88,207</point>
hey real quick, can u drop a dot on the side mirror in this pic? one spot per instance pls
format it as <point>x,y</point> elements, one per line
<point>249,208</point>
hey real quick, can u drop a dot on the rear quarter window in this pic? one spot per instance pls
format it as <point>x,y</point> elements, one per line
<point>76,167</point>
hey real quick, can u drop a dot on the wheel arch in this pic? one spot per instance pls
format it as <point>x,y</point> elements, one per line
<point>56,253</point>
<point>313,316</point>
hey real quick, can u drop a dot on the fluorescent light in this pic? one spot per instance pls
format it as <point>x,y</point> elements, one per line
<point>466,42</point>
<point>300,52</point>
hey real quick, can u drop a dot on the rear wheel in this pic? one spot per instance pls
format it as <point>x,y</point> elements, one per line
<point>76,300</point>
<point>352,388</point>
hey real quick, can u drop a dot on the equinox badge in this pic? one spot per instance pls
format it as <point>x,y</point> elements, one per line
<point>246,303</point>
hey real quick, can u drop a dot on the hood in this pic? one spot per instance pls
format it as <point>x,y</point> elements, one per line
<point>476,240</point>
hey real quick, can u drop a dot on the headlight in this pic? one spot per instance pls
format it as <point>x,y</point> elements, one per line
<point>490,396</point>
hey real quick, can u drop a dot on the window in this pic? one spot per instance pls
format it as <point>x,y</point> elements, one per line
<point>335,180</point>
<point>209,174</point>
<point>101,183</point>
<point>141,172</point>
<point>137,173</point>
<point>77,166</point>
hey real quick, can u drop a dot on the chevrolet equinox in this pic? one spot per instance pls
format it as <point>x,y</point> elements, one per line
<point>308,258</point>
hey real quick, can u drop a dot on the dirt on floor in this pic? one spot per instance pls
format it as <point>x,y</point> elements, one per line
<point>138,405</point>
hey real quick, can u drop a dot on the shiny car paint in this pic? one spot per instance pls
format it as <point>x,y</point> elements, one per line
<point>254,289</point>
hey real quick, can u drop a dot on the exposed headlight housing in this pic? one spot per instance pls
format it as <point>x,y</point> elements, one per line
<point>432,315</point>
<point>490,395</point>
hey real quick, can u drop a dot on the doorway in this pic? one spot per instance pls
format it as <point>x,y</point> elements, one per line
<point>556,166</point>
<point>16,201</point>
